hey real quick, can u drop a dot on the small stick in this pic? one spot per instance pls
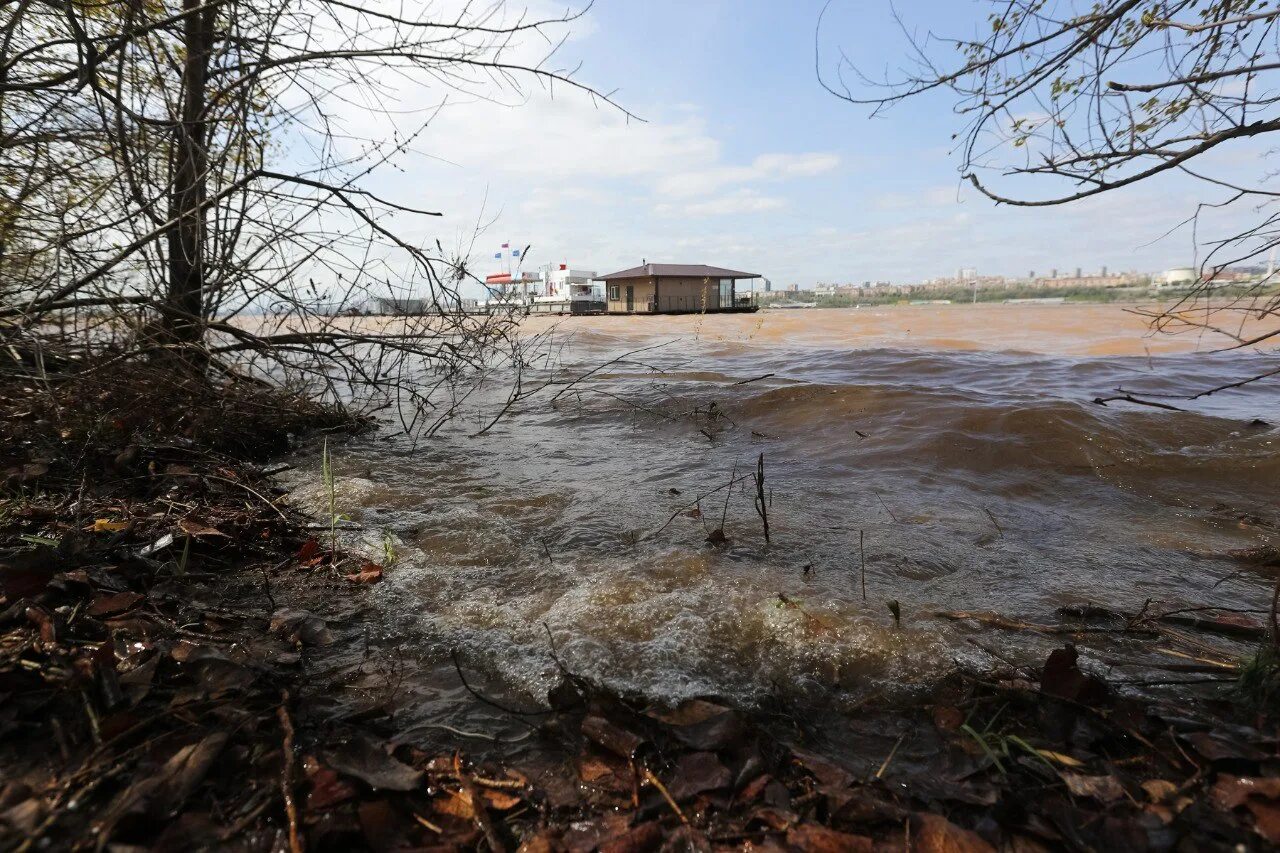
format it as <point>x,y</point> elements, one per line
<point>483,822</point>
<point>286,774</point>
<point>266,587</point>
<point>994,522</point>
<point>886,508</point>
<point>428,824</point>
<point>762,504</point>
<point>862,552</point>
<point>889,757</point>
<point>666,795</point>
<point>724,516</point>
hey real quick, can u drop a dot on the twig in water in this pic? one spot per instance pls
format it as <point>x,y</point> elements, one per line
<point>889,757</point>
<point>886,507</point>
<point>580,684</point>
<point>547,551</point>
<point>757,379</point>
<point>724,515</point>
<point>696,502</point>
<point>600,367</point>
<point>717,536</point>
<point>862,553</point>
<point>479,810</point>
<point>666,795</point>
<point>994,523</point>
<point>486,700</point>
<point>1129,398</point>
<point>761,502</point>
<point>287,774</point>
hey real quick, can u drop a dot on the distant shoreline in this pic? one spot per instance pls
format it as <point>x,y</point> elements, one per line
<point>1090,296</point>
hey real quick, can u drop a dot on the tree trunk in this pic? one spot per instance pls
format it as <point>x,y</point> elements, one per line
<point>188,191</point>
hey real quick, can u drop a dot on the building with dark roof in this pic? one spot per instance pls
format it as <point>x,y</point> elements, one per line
<point>677,289</point>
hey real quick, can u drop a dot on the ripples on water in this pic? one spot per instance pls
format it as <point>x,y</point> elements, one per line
<point>982,480</point>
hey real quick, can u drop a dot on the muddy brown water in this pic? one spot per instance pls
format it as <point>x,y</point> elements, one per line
<point>960,442</point>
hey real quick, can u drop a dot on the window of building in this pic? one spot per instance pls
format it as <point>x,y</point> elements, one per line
<point>726,291</point>
<point>614,291</point>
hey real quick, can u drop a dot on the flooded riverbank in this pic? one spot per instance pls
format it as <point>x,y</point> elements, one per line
<point>953,452</point>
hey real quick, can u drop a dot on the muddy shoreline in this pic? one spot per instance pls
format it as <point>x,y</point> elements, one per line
<point>178,645</point>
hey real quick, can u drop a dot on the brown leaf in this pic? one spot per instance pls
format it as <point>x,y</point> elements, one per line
<point>1220,747</point>
<point>300,626</point>
<point>617,740</point>
<point>811,838</point>
<point>33,471</point>
<point>1105,789</point>
<point>935,834</point>
<point>606,772</point>
<point>1266,819</point>
<point>456,803</point>
<point>161,793</point>
<point>641,839</point>
<point>500,800</point>
<point>1230,792</point>
<point>1159,790</point>
<point>309,550</point>
<point>109,604</point>
<point>827,772</point>
<point>368,761</point>
<point>695,773</point>
<point>689,712</point>
<point>369,573</point>
<point>327,787</point>
<point>540,843</point>
<point>191,527</point>
<point>947,719</point>
<point>704,725</point>
<point>754,788</point>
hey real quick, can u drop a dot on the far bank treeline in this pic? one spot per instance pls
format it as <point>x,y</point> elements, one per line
<point>959,294</point>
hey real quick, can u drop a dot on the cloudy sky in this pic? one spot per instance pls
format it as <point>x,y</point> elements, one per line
<point>741,159</point>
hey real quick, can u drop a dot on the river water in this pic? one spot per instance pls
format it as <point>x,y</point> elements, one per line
<point>951,455</point>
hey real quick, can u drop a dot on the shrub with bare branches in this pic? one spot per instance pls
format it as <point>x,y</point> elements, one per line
<point>186,180</point>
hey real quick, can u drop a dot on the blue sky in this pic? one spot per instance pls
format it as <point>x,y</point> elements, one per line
<point>744,161</point>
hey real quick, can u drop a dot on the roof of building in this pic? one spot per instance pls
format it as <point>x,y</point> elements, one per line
<point>678,270</point>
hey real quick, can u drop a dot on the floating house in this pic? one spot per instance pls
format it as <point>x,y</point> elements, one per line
<point>678,289</point>
<point>551,291</point>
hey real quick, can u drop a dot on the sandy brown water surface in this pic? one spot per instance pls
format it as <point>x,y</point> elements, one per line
<point>959,444</point>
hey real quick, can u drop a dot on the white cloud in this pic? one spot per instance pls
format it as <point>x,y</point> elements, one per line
<point>765,167</point>
<point>742,201</point>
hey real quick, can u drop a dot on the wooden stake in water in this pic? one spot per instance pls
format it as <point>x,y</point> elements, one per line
<point>762,503</point>
<point>862,552</point>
